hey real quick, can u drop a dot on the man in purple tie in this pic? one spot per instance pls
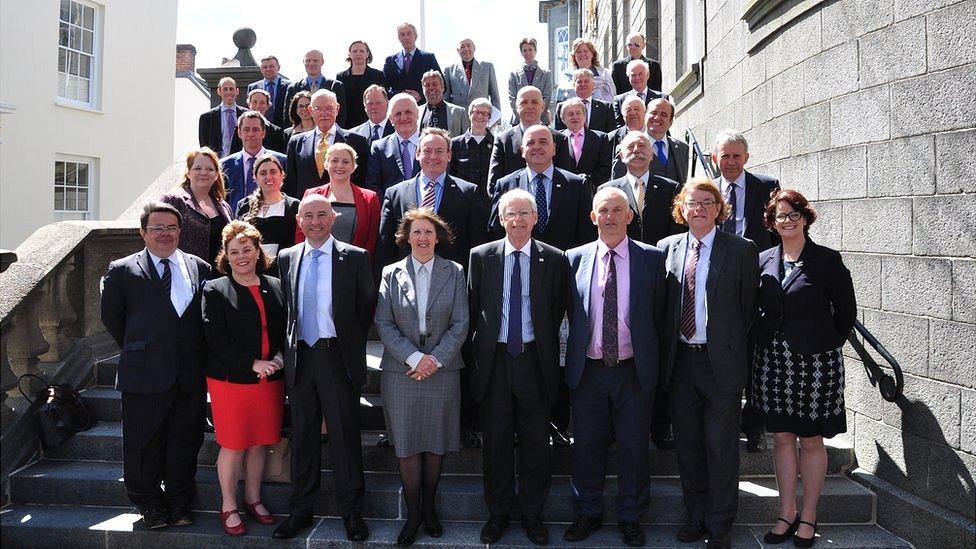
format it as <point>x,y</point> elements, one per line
<point>516,290</point>
<point>392,159</point>
<point>612,365</point>
<point>218,126</point>
<point>404,69</point>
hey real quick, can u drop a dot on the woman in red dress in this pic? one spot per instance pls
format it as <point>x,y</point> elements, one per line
<point>244,321</point>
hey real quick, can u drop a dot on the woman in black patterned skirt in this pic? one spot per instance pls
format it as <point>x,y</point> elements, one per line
<point>806,298</point>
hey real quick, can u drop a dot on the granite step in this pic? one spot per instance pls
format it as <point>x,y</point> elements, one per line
<point>103,442</point>
<point>29,526</point>
<point>55,482</point>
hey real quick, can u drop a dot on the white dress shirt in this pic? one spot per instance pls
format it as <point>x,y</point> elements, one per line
<point>740,200</point>
<point>421,285</point>
<point>525,264</point>
<point>323,288</point>
<point>180,288</point>
<point>701,278</point>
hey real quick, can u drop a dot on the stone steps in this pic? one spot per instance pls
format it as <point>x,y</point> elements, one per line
<point>101,527</point>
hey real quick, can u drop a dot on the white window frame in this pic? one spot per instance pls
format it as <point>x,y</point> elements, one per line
<point>690,36</point>
<point>63,97</point>
<point>561,56</point>
<point>92,187</point>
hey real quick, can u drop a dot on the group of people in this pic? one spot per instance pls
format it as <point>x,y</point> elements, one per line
<point>263,273</point>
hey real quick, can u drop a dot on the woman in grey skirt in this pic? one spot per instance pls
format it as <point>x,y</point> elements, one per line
<point>422,318</point>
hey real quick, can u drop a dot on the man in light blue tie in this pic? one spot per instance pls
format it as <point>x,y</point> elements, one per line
<point>328,288</point>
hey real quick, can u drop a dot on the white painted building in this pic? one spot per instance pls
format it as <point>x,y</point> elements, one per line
<point>86,108</point>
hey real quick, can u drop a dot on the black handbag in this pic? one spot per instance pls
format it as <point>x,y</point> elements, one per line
<point>61,413</point>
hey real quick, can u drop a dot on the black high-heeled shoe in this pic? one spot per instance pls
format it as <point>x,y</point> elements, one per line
<point>773,538</point>
<point>408,534</point>
<point>432,524</point>
<point>805,542</point>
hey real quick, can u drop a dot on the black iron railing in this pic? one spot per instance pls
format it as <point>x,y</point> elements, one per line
<point>710,171</point>
<point>889,385</point>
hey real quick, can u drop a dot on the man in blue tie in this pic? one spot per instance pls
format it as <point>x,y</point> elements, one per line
<point>276,86</point>
<point>392,158</point>
<point>238,168</point>
<point>315,81</point>
<point>330,296</point>
<point>517,288</point>
<point>376,101</point>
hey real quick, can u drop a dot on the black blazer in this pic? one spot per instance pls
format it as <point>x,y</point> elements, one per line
<point>334,86</point>
<point>353,304</point>
<point>622,83</point>
<point>462,206</point>
<point>758,189</point>
<point>232,325</point>
<point>506,154</point>
<point>301,169</point>
<point>601,117</point>
<point>657,222</point>
<point>815,308</point>
<point>650,94</point>
<point>363,130</point>
<point>209,130</point>
<point>594,163</point>
<point>274,139</point>
<point>355,87</point>
<point>470,159</point>
<point>569,222</point>
<point>677,168</point>
<point>548,289</point>
<point>159,348</point>
<point>399,81</point>
<point>280,107</point>
<point>291,222</point>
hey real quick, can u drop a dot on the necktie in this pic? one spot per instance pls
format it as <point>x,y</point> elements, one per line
<point>310,298</point>
<point>467,71</point>
<point>688,295</point>
<point>313,85</point>
<point>229,127</point>
<point>586,113</point>
<point>248,177</point>
<point>729,225</point>
<point>661,152</point>
<point>321,148</point>
<point>577,146</point>
<point>641,95</point>
<point>167,279</point>
<point>514,340</point>
<point>407,58</point>
<point>610,312</point>
<point>541,205</point>
<point>270,88</point>
<point>406,159</point>
<point>640,195</point>
<point>430,197</point>
<point>376,133</point>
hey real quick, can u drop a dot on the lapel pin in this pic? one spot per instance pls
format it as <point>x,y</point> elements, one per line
<point>558,186</point>
<point>541,260</point>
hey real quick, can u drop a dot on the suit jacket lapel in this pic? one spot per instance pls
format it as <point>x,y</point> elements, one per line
<point>537,269</point>
<point>448,196</point>
<point>799,267</point>
<point>556,196</point>
<point>636,276</point>
<point>338,271</point>
<point>395,153</point>
<point>584,276</point>
<point>753,198</point>
<point>296,265</point>
<point>495,272</point>
<point>590,146</point>
<point>149,270</point>
<point>771,266</point>
<point>193,273</point>
<point>715,263</point>
<point>405,278</point>
<point>440,271</point>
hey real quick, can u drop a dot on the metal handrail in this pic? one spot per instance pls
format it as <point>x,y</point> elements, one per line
<point>710,171</point>
<point>890,387</point>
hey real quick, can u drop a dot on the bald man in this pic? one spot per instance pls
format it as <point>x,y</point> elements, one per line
<point>315,81</point>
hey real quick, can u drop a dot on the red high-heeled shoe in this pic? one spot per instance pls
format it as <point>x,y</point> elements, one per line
<point>238,530</point>
<point>252,510</point>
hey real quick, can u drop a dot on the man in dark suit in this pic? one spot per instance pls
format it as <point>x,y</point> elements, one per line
<point>517,293</point>
<point>218,126</point>
<point>562,197</point>
<point>238,168</point>
<point>712,281</point>
<point>612,365</point>
<point>330,297</point>
<point>506,154</point>
<point>404,68</point>
<point>635,50</point>
<point>456,201</point>
<point>306,151</point>
<point>315,81</point>
<point>638,73</point>
<point>377,125</point>
<point>277,88</point>
<point>588,149</point>
<point>599,115</point>
<point>634,111</point>
<point>274,137</point>
<point>471,151</point>
<point>151,307</point>
<point>393,158</point>
<point>670,154</point>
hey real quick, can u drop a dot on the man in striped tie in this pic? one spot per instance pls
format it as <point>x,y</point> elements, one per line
<point>712,285</point>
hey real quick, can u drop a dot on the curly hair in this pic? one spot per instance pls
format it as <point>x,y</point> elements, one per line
<point>240,230</point>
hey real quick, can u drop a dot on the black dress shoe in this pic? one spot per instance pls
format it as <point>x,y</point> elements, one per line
<point>755,442</point>
<point>494,528</point>
<point>633,533</point>
<point>407,534</point>
<point>432,524</point>
<point>805,542</point>
<point>356,529</point>
<point>663,442</point>
<point>773,538</point>
<point>535,530</point>
<point>582,528</point>
<point>470,440</point>
<point>691,532</point>
<point>154,519</point>
<point>180,516</point>
<point>291,526</point>
<point>715,541</point>
<point>560,439</point>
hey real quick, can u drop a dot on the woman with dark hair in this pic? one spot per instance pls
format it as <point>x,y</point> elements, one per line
<point>268,209</point>
<point>584,56</point>
<point>244,323</point>
<point>299,115</point>
<point>200,200</point>
<point>807,310</point>
<point>356,79</point>
<point>421,364</point>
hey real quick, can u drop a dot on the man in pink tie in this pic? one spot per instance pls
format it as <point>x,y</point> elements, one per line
<point>590,149</point>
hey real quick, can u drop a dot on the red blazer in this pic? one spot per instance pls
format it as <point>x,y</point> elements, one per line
<point>367,216</point>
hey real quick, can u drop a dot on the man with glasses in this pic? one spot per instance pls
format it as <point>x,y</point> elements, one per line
<point>151,306</point>
<point>471,152</point>
<point>635,50</point>
<point>707,361</point>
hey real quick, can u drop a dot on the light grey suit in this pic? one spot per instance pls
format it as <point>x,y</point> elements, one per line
<point>483,84</point>
<point>457,119</point>
<point>422,416</point>
<point>542,80</point>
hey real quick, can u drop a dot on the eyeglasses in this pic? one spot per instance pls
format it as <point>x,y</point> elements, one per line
<point>160,229</point>
<point>634,45</point>
<point>692,204</point>
<point>509,214</point>
<point>792,216</point>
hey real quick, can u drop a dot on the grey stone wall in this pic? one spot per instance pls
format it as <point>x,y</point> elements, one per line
<point>867,107</point>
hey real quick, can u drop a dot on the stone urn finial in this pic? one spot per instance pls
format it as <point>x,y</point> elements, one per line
<point>244,39</point>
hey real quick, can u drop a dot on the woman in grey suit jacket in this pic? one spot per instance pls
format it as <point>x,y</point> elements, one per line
<point>539,78</point>
<point>421,362</point>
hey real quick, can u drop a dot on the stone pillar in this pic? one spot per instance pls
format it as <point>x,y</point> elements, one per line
<point>242,68</point>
